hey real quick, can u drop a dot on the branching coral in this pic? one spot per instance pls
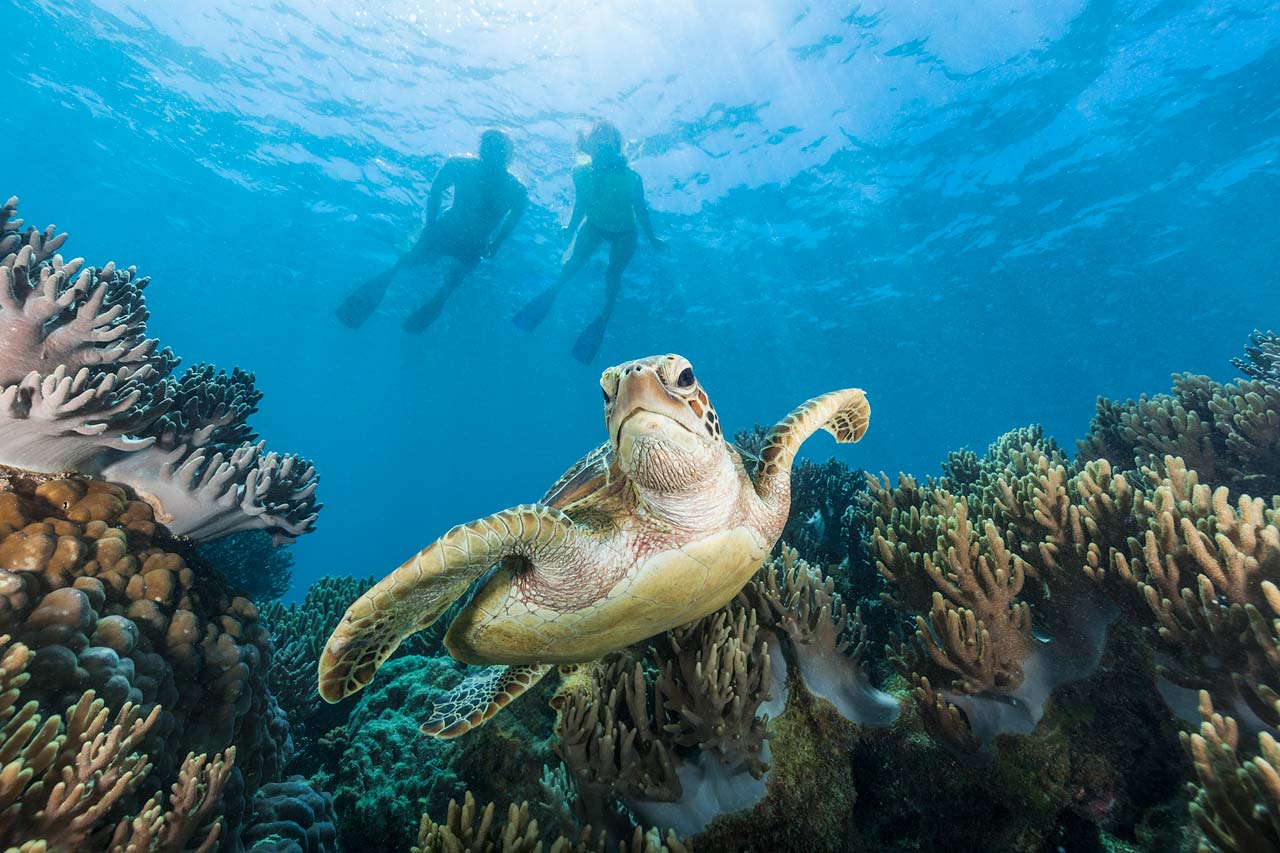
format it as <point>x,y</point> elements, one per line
<point>1228,434</point>
<point>65,778</point>
<point>82,388</point>
<point>1207,569</point>
<point>1262,357</point>
<point>826,640</point>
<point>970,591</point>
<point>252,563</point>
<point>469,829</point>
<point>1237,803</point>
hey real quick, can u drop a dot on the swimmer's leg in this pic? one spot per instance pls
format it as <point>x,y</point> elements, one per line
<point>419,320</point>
<point>620,253</point>
<point>585,244</point>
<point>360,304</point>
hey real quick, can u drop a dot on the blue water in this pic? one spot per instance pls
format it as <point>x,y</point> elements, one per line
<point>986,214</point>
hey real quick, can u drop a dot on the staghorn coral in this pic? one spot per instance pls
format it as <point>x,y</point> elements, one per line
<point>1228,434</point>
<point>1262,357</point>
<point>1237,803</point>
<point>66,777</point>
<point>105,602</point>
<point>468,829</point>
<point>83,389</point>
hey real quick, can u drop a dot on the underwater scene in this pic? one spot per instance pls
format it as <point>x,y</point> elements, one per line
<point>570,425</point>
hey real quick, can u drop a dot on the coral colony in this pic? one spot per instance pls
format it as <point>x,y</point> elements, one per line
<point>1051,651</point>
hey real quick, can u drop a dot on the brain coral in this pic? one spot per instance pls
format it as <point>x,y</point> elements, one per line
<point>105,601</point>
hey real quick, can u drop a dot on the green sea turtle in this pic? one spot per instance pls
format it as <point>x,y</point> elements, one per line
<point>657,527</point>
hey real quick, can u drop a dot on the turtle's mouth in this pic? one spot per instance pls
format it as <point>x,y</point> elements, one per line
<point>639,410</point>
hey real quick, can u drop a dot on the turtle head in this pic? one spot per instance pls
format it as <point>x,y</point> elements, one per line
<point>664,430</point>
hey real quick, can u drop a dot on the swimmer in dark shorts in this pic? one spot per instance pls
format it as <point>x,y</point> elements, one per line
<point>485,196</point>
<point>608,205</point>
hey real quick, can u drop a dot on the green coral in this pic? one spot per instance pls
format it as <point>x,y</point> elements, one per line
<point>389,773</point>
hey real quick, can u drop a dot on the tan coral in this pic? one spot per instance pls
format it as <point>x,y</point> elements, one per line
<point>469,829</point>
<point>61,777</point>
<point>1205,567</point>
<point>1237,803</point>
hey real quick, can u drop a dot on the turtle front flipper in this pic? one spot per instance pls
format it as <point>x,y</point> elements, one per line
<point>414,595</point>
<point>845,414</point>
<point>480,695</point>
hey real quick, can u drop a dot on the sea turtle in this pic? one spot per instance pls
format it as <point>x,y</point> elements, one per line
<point>656,528</point>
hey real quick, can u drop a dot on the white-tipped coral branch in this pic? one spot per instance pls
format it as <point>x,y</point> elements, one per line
<point>83,389</point>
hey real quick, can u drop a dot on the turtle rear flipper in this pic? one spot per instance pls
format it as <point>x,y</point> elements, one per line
<point>419,591</point>
<point>480,695</point>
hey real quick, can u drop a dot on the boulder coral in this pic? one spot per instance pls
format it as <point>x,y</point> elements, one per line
<point>67,776</point>
<point>83,389</point>
<point>105,602</point>
<point>291,816</point>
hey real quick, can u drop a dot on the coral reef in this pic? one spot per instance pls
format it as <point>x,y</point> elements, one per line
<point>66,777</point>
<point>251,563</point>
<point>106,602</point>
<point>461,832</point>
<point>681,738</point>
<point>1262,357</point>
<point>385,773</point>
<point>291,816</point>
<point>1228,434</point>
<point>83,389</point>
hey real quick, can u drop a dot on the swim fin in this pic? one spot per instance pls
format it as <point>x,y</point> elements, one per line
<point>421,319</point>
<point>360,304</point>
<point>588,343</point>
<point>535,311</point>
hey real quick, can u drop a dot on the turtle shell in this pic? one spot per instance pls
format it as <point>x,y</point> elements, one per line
<point>587,484</point>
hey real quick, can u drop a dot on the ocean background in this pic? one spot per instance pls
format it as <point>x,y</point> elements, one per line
<point>986,214</point>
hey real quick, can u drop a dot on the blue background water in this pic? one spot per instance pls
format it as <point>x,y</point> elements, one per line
<point>984,213</point>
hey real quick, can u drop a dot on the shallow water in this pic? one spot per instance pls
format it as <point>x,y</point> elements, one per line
<point>985,215</point>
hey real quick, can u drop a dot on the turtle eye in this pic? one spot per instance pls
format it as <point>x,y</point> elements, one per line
<point>685,379</point>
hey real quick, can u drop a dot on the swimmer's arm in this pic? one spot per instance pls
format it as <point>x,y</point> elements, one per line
<point>575,217</point>
<point>642,212</point>
<point>445,178</point>
<point>518,201</point>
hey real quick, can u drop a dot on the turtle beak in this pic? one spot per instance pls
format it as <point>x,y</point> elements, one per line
<point>643,403</point>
